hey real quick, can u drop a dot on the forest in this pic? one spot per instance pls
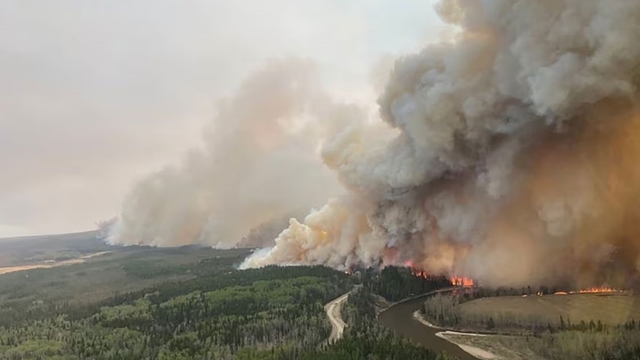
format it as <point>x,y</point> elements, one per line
<point>181,304</point>
<point>397,283</point>
<point>365,338</point>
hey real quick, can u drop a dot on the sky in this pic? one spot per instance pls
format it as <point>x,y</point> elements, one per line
<point>96,94</point>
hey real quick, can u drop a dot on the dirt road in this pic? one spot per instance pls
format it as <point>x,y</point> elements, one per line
<point>333,312</point>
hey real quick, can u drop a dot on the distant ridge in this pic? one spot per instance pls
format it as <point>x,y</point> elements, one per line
<point>33,249</point>
<point>51,236</point>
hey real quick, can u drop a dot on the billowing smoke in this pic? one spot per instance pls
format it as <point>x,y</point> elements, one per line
<point>512,156</point>
<point>508,154</point>
<point>259,165</point>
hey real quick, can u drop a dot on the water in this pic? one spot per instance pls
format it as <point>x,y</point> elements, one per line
<point>399,318</point>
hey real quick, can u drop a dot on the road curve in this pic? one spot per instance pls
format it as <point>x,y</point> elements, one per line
<point>333,312</point>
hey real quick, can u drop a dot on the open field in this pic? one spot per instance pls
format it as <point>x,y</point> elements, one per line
<point>612,344</point>
<point>499,347</point>
<point>609,309</point>
<point>552,327</point>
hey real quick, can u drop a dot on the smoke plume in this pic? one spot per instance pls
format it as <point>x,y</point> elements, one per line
<point>258,165</point>
<point>508,154</point>
<point>511,156</point>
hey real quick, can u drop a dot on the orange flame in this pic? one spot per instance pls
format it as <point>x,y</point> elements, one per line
<point>596,290</point>
<point>419,273</point>
<point>414,270</point>
<point>462,281</point>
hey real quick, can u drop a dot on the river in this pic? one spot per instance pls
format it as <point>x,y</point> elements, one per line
<point>399,318</point>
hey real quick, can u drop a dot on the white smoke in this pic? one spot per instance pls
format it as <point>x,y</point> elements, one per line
<point>259,163</point>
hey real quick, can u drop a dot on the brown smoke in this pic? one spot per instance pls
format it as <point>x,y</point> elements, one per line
<point>573,214</point>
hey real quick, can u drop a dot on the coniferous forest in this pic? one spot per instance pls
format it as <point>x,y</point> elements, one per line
<point>183,305</point>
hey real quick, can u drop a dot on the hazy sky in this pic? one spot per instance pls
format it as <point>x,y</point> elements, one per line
<point>96,94</point>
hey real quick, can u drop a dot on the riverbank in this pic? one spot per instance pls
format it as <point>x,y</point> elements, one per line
<point>472,350</point>
<point>484,346</point>
<point>399,318</point>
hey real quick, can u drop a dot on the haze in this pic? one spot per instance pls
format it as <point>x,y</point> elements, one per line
<point>96,95</point>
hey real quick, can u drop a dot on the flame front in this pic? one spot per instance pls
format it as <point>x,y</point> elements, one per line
<point>416,271</point>
<point>462,281</point>
<point>597,290</point>
<point>605,289</point>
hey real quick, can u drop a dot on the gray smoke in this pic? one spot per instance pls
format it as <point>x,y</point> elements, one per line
<point>506,154</point>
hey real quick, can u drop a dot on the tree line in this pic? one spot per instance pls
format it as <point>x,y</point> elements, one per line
<point>561,339</point>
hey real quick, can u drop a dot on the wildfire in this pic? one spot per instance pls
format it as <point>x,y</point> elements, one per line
<point>415,271</point>
<point>419,273</point>
<point>461,281</point>
<point>593,290</point>
<point>597,290</point>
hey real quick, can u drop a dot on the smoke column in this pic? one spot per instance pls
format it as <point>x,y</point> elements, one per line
<point>508,154</point>
<point>511,154</point>
<point>258,166</point>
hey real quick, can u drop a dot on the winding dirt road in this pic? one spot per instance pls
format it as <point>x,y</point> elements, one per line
<point>333,312</point>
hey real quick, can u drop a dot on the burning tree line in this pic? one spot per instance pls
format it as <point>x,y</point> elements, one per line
<point>464,281</point>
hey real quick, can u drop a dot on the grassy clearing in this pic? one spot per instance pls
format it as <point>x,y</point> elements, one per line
<point>609,309</point>
<point>613,344</point>
<point>503,347</point>
<point>554,327</point>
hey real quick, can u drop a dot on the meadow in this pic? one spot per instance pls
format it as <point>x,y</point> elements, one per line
<point>578,326</point>
<point>610,309</point>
